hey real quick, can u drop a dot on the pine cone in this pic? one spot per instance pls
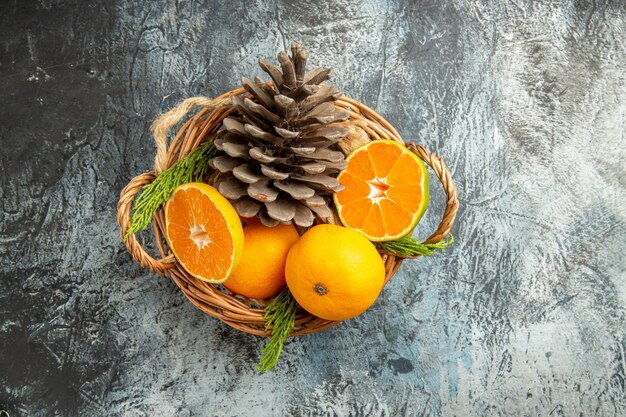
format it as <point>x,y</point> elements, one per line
<point>281,147</point>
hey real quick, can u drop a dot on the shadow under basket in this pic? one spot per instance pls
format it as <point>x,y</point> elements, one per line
<point>244,314</point>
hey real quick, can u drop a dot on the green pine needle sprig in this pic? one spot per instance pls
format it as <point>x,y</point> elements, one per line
<point>408,246</point>
<point>280,316</point>
<point>193,167</point>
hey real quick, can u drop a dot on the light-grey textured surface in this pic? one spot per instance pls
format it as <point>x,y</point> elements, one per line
<point>524,315</point>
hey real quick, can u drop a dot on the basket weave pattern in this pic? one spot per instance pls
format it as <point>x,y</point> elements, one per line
<point>235,311</point>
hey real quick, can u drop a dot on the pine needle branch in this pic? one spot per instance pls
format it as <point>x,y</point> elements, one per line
<point>407,246</point>
<point>280,316</point>
<point>193,167</point>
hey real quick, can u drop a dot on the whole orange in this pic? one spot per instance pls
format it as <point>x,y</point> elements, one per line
<point>334,272</point>
<point>261,270</point>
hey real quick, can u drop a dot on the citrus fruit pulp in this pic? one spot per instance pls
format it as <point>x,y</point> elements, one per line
<point>334,273</point>
<point>385,190</point>
<point>261,271</point>
<point>203,231</point>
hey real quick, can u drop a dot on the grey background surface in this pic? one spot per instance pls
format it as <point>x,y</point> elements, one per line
<point>524,315</point>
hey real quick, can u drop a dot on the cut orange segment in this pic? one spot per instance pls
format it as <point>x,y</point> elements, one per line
<point>204,232</point>
<point>385,190</point>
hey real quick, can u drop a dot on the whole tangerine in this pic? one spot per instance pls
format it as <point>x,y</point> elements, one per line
<point>334,272</point>
<point>261,270</point>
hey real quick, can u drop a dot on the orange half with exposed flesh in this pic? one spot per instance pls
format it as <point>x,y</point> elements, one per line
<point>385,190</point>
<point>204,232</point>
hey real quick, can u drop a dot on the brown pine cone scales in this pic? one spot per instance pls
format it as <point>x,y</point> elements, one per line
<point>280,150</point>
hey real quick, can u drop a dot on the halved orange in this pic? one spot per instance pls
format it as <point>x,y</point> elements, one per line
<point>204,232</point>
<point>385,190</point>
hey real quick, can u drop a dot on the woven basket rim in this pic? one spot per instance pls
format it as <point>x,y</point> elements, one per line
<point>241,313</point>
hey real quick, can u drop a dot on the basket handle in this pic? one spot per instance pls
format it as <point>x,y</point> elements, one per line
<point>160,129</point>
<point>444,175</point>
<point>127,196</point>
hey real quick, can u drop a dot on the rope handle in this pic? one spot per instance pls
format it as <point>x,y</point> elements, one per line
<point>445,177</point>
<point>163,124</point>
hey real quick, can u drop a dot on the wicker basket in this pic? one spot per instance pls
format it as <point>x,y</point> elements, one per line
<point>242,314</point>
